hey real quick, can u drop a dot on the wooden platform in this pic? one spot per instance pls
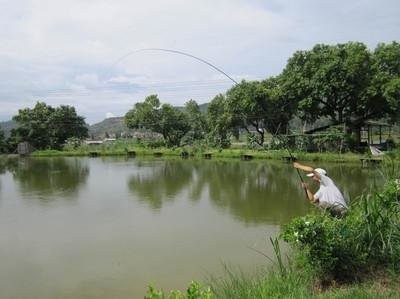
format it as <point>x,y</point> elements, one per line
<point>94,154</point>
<point>246,157</point>
<point>370,161</point>
<point>131,154</point>
<point>289,159</point>
<point>207,156</point>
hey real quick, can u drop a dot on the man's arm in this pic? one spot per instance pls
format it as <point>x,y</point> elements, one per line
<point>306,169</point>
<point>310,195</point>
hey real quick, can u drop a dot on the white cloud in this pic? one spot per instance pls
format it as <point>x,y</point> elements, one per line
<point>109,115</point>
<point>63,51</point>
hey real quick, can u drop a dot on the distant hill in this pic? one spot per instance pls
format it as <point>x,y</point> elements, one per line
<point>111,126</point>
<point>6,126</point>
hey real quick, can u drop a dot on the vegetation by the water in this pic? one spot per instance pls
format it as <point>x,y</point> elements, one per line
<point>357,256</point>
<point>129,147</point>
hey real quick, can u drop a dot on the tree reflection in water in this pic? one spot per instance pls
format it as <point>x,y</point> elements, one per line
<point>252,192</point>
<point>49,178</point>
<point>160,182</point>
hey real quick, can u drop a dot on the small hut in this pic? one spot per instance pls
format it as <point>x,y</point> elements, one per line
<point>375,133</point>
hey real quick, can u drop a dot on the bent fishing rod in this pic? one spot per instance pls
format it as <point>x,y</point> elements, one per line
<point>215,68</point>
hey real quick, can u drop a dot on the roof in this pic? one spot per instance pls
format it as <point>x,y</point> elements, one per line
<point>376,123</point>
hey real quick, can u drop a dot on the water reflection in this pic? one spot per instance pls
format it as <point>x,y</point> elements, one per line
<point>2,165</point>
<point>156,183</point>
<point>253,192</point>
<point>46,177</point>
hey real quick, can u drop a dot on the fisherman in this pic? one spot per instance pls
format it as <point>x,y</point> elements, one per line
<point>328,195</point>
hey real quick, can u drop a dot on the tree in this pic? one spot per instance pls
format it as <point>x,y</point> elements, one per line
<point>165,119</point>
<point>259,106</point>
<point>218,122</point>
<point>33,125</point>
<point>279,108</point>
<point>344,82</point>
<point>64,123</point>
<point>387,82</point>
<point>3,144</point>
<point>196,120</point>
<point>47,127</point>
<point>246,106</point>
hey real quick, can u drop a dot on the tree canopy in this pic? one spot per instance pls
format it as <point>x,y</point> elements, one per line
<point>46,127</point>
<point>345,82</point>
<point>3,144</point>
<point>218,122</point>
<point>165,119</point>
<point>197,121</point>
<point>255,106</point>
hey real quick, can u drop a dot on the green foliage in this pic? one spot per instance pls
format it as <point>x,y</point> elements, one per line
<point>263,284</point>
<point>3,144</point>
<point>259,107</point>
<point>194,291</point>
<point>47,127</point>
<point>246,106</point>
<point>345,82</point>
<point>344,249</point>
<point>218,123</point>
<point>197,122</point>
<point>72,143</point>
<point>170,122</point>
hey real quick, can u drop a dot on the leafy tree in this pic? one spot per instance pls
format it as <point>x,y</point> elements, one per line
<point>218,122</point>
<point>345,82</point>
<point>3,144</point>
<point>47,127</point>
<point>387,82</point>
<point>246,106</point>
<point>64,123</point>
<point>171,123</point>
<point>196,120</point>
<point>260,106</point>
<point>279,108</point>
<point>330,81</point>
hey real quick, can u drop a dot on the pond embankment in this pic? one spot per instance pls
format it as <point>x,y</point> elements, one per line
<point>205,153</point>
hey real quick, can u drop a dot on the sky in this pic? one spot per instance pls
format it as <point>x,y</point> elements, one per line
<point>84,53</point>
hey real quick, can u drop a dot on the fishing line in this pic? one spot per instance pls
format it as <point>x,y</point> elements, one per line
<point>176,52</point>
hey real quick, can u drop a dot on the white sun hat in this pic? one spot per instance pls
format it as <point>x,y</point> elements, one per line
<point>319,170</point>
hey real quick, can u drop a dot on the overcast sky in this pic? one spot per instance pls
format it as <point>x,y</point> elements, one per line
<point>69,52</point>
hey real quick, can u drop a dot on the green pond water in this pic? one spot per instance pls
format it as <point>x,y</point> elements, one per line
<point>106,228</point>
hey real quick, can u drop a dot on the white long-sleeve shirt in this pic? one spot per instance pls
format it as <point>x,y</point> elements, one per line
<point>328,194</point>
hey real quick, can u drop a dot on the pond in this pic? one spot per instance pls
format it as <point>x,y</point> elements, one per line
<point>108,227</point>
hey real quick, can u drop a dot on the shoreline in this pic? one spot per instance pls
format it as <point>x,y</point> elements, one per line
<point>205,154</point>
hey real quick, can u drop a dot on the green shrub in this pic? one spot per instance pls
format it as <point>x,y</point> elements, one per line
<point>194,291</point>
<point>344,249</point>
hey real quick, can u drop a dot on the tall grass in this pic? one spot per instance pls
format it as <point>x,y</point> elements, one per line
<point>357,256</point>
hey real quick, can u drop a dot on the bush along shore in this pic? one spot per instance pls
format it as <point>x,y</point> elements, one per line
<point>357,256</point>
<point>126,148</point>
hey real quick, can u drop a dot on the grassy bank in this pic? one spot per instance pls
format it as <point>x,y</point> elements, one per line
<point>357,256</point>
<point>123,148</point>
